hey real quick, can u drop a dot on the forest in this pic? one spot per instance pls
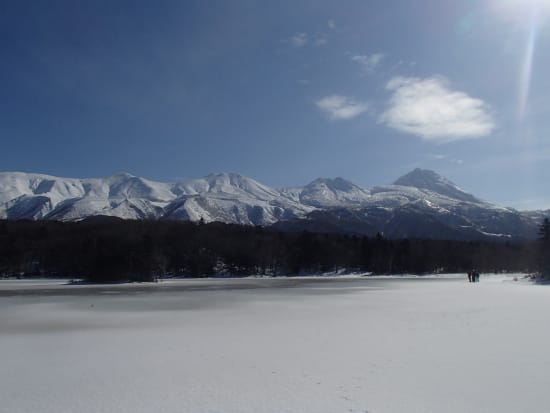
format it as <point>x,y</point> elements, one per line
<point>105,249</point>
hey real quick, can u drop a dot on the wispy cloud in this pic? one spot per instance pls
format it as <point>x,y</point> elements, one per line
<point>429,109</point>
<point>320,40</point>
<point>341,107</point>
<point>303,39</point>
<point>299,40</point>
<point>331,24</point>
<point>446,158</point>
<point>437,156</point>
<point>368,62</point>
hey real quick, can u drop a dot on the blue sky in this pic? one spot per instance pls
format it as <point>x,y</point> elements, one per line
<point>283,92</point>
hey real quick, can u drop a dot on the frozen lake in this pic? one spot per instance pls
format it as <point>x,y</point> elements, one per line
<point>276,345</point>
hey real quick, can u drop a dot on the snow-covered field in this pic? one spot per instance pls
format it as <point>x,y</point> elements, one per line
<point>265,345</point>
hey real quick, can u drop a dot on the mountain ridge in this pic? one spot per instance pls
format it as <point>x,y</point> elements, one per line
<point>420,203</point>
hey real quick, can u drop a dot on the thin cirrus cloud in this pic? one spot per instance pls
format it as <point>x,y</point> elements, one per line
<point>368,62</point>
<point>299,40</point>
<point>320,40</point>
<point>303,39</point>
<point>341,107</point>
<point>440,157</point>
<point>428,108</point>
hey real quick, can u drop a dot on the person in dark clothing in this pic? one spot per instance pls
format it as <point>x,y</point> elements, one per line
<point>476,276</point>
<point>470,276</point>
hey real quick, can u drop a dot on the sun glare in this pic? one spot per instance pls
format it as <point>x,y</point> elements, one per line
<point>527,67</point>
<point>529,14</point>
<point>521,10</point>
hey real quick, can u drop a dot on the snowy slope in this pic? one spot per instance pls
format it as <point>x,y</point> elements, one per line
<point>230,197</point>
<point>324,192</point>
<point>228,184</point>
<point>35,196</point>
<point>431,181</point>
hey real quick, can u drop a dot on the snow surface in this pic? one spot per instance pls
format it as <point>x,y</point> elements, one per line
<point>276,345</point>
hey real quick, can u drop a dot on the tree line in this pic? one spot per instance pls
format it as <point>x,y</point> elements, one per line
<point>105,249</point>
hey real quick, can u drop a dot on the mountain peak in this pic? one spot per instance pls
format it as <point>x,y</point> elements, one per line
<point>234,184</point>
<point>421,178</point>
<point>230,179</point>
<point>338,183</point>
<point>330,192</point>
<point>432,181</point>
<point>221,175</point>
<point>120,176</point>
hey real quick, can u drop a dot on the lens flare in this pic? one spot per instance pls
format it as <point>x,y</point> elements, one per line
<point>527,66</point>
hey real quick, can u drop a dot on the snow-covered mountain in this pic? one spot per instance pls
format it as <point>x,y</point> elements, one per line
<point>418,204</point>
<point>217,197</point>
<point>324,192</point>
<point>231,198</point>
<point>422,204</point>
<point>431,181</point>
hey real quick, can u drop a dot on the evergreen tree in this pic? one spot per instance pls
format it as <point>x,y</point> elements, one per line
<point>544,247</point>
<point>544,230</point>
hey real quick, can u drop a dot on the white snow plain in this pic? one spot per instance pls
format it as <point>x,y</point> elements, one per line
<point>273,346</point>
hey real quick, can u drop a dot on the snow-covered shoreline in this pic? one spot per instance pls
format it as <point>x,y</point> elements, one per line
<point>323,345</point>
<point>14,283</point>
